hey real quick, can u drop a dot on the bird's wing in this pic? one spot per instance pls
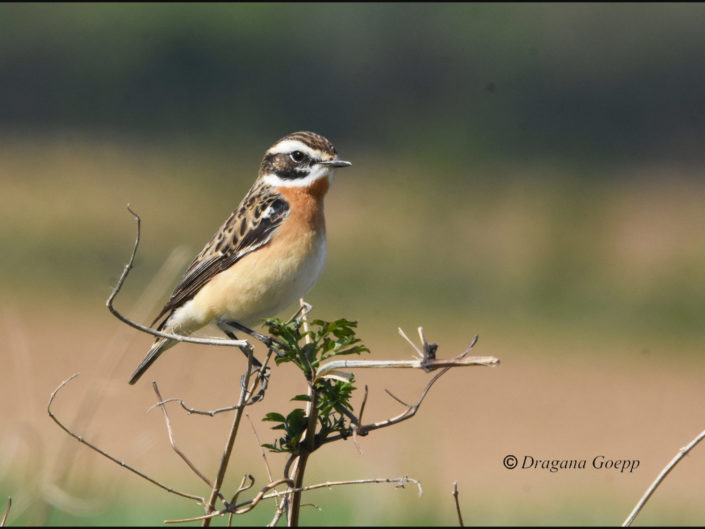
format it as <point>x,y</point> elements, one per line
<point>250,227</point>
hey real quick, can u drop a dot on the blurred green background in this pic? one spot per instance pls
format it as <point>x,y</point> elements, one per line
<point>529,172</point>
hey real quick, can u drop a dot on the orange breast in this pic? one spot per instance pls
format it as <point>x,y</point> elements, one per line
<point>305,209</point>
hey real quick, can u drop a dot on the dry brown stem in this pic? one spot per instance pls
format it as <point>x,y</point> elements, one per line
<point>105,454</point>
<point>171,438</point>
<point>7,511</point>
<point>148,330</point>
<point>681,453</point>
<point>454,492</point>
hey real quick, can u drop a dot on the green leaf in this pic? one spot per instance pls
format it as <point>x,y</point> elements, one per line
<point>275,417</point>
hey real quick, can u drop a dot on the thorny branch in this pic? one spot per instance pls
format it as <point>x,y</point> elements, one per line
<point>681,453</point>
<point>105,454</point>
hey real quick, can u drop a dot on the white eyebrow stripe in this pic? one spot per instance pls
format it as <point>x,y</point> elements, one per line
<point>288,146</point>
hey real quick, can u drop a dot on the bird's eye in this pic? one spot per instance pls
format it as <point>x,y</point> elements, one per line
<point>297,156</point>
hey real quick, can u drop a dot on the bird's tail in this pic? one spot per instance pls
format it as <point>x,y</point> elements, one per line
<point>157,348</point>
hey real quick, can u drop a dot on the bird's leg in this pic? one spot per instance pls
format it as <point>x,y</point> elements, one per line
<point>266,340</point>
<point>225,327</point>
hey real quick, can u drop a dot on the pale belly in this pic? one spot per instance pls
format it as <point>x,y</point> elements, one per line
<point>258,286</point>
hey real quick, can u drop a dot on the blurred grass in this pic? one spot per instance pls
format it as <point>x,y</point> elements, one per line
<point>514,245</point>
<point>590,287</point>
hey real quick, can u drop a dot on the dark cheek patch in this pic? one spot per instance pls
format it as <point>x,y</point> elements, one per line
<point>291,173</point>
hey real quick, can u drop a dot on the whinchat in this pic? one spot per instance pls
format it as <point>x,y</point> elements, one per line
<point>266,255</point>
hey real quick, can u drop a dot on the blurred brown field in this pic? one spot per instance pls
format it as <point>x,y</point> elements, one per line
<point>590,290</point>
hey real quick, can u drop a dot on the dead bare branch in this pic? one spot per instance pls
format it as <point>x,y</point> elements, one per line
<point>245,394</point>
<point>457,503</point>
<point>148,330</point>
<point>249,504</point>
<point>262,452</point>
<point>105,454</point>
<point>7,511</point>
<point>355,427</point>
<point>681,453</point>
<point>173,443</point>
<point>412,409</point>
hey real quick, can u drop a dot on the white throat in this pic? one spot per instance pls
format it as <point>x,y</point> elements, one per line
<point>317,172</point>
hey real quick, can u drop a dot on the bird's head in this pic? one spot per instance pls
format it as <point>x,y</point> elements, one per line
<point>299,159</point>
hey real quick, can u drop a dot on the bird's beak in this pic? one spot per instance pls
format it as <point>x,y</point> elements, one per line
<point>336,163</point>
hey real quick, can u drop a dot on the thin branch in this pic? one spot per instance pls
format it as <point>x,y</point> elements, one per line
<point>249,504</point>
<point>105,454</point>
<point>173,443</point>
<point>244,396</point>
<point>412,344</point>
<point>457,503</point>
<point>7,511</point>
<point>259,444</point>
<point>412,409</point>
<point>263,380</point>
<point>487,361</point>
<point>355,427</point>
<point>125,319</point>
<point>681,453</point>
<point>406,414</point>
<point>243,487</point>
<point>396,398</point>
<point>309,436</point>
<point>193,411</point>
<point>281,510</point>
<point>401,482</point>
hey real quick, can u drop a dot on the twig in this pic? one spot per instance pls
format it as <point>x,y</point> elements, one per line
<point>396,398</point>
<point>355,427</point>
<point>264,373</point>
<point>105,454</point>
<point>192,411</point>
<point>681,453</point>
<point>7,511</point>
<point>412,409</point>
<point>280,505</point>
<point>488,361</point>
<point>400,484</point>
<point>244,396</point>
<point>243,487</point>
<point>259,444</point>
<point>171,438</point>
<point>124,319</point>
<point>457,504</point>
<point>249,504</point>
<point>261,496</point>
<point>309,436</point>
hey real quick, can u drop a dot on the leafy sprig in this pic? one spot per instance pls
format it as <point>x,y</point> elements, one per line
<point>307,349</point>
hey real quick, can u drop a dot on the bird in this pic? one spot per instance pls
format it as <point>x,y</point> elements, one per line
<point>268,253</point>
